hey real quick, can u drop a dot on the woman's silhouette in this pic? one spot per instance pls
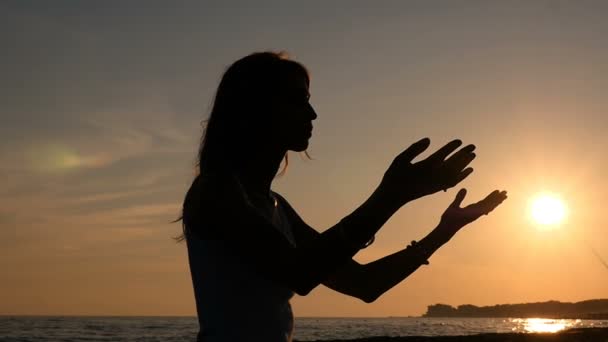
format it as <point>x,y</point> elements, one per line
<point>248,249</point>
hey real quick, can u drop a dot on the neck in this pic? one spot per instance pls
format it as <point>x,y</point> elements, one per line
<point>257,169</point>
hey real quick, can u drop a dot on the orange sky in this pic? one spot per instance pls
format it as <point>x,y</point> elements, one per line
<point>101,110</point>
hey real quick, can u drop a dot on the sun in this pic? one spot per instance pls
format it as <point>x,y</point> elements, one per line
<point>548,210</point>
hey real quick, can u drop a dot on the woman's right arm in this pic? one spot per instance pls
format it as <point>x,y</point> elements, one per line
<point>227,215</point>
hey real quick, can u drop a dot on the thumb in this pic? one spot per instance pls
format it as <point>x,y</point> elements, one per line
<point>415,149</point>
<point>459,197</point>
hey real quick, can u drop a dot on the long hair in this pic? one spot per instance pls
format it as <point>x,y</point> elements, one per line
<point>246,89</point>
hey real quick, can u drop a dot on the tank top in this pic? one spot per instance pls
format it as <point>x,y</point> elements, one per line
<point>235,303</point>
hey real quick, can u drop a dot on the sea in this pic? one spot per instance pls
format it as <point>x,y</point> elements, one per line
<point>60,328</point>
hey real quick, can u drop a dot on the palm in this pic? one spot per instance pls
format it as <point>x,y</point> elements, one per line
<point>406,181</point>
<point>457,217</point>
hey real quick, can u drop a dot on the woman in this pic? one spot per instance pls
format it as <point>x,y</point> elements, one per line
<point>248,249</point>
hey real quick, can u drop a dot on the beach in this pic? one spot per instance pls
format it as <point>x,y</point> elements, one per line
<point>571,335</point>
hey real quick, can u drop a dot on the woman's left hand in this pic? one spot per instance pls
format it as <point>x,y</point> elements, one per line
<point>455,217</point>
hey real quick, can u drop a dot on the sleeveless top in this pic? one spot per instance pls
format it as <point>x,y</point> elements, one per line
<point>233,302</point>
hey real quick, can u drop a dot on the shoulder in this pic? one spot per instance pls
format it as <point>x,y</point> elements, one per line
<point>302,230</point>
<point>213,201</point>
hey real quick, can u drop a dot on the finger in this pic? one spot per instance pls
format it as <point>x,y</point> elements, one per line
<point>461,158</point>
<point>458,164</point>
<point>461,153</point>
<point>459,198</point>
<point>492,205</point>
<point>489,203</point>
<point>414,150</point>
<point>460,177</point>
<point>443,152</point>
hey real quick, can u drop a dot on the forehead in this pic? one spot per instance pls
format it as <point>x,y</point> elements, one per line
<point>297,84</point>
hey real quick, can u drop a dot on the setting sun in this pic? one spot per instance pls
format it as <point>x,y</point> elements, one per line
<point>547,210</point>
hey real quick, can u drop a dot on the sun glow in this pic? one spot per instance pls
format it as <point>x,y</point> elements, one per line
<point>542,325</point>
<point>548,210</point>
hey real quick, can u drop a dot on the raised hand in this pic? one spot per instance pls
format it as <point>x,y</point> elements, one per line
<point>405,181</point>
<point>455,217</point>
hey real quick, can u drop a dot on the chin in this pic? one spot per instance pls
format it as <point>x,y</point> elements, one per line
<point>299,146</point>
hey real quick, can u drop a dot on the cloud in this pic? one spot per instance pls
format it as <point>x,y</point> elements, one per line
<point>98,142</point>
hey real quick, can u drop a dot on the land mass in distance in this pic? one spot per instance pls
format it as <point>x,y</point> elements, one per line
<point>588,309</point>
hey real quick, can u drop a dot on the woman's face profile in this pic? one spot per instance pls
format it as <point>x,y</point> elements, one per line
<point>292,115</point>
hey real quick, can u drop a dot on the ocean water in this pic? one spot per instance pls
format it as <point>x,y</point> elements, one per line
<point>55,328</point>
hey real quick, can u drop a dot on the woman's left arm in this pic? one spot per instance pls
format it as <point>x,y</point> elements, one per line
<point>368,282</point>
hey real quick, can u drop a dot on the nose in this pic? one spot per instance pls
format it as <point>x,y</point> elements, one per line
<point>313,113</point>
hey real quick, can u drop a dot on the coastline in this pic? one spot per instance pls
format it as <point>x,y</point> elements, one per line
<point>570,335</point>
<point>552,309</point>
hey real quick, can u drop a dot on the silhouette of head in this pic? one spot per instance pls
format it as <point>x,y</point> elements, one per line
<point>260,103</point>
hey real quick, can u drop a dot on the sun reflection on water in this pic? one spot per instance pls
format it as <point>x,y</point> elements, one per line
<point>542,325</point>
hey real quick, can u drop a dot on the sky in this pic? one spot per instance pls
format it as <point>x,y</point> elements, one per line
<point>102,105</point>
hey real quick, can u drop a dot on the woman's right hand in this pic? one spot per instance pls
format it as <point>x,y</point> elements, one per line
<point>405,181</point>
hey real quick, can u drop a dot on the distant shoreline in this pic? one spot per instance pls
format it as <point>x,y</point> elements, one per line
<point>588,309</point>
<point>575,334</point>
